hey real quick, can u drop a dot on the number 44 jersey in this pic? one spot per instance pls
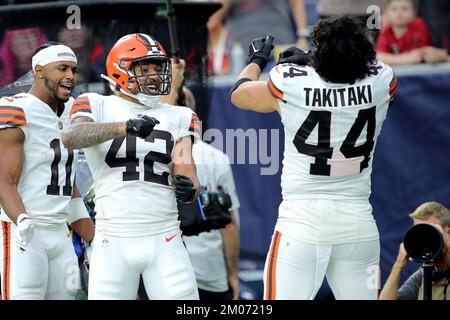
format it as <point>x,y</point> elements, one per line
<point>132,176</point>
<point>330,130</point>
<point>46,180</point>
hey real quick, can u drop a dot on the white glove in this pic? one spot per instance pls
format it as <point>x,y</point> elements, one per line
<point>24,231</point>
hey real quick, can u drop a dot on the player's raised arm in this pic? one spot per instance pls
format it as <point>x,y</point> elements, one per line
<point>247,92</point>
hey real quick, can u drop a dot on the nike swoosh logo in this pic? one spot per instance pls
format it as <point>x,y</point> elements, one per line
<point>168,239</point>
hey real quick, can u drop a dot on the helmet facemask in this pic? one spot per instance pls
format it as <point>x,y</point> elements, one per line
<point>155,82</point>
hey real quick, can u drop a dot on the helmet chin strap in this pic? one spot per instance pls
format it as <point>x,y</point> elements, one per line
<point>146,100</point>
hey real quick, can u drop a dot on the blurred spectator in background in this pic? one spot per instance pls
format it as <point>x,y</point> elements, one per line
<point>405,38</point>
<point>89,51</point>
<point>247,19</point>
<point>218,37</point>
<point>16,51</point>
<point>436,14</point>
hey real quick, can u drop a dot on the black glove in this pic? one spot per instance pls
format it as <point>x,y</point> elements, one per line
<point>260,49</point>
<point>141,126</point>
<point>294,55</point>
<point>184,189</point>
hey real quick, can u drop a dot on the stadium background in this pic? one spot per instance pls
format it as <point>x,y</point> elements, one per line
<point>411,162</point>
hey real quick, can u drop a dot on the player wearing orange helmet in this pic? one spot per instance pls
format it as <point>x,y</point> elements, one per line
<point>128,73</point>
<point>137,181</point>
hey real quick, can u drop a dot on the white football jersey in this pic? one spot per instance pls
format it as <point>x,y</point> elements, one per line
<point>47,176</point>
<point>132,176</point>
<point>330,130</point>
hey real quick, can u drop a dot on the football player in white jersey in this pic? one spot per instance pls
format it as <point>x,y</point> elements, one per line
<point>37,192</point>
<point>139,152</point>
<point>332,110</point>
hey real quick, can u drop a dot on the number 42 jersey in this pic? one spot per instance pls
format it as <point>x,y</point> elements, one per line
<point>132,176</point>
<point>46,180</point>
<point>330,130</point>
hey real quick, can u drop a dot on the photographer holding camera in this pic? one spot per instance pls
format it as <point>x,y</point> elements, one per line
<point>212,242</point>
<point>214,253</point>
<point>438,216</point>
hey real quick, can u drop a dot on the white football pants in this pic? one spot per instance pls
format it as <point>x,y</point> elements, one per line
<point>295,270</point>
<point>47,269</point>
<point>118,262</point>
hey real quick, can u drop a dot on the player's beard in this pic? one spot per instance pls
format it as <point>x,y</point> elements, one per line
<point>148,93</point>
<point>53,87</point>
<point>150,86</point>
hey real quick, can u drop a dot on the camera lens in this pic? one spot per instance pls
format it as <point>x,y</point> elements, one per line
<point>423,243</point>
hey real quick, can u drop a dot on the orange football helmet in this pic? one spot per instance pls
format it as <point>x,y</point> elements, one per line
<point>135,50</point>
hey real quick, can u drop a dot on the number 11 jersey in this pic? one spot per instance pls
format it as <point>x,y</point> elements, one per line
<point>132,176</point>
<point>330,130</point>
<point>47,176</point>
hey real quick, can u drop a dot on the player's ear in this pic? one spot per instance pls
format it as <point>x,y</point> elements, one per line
<point>39,71</point>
